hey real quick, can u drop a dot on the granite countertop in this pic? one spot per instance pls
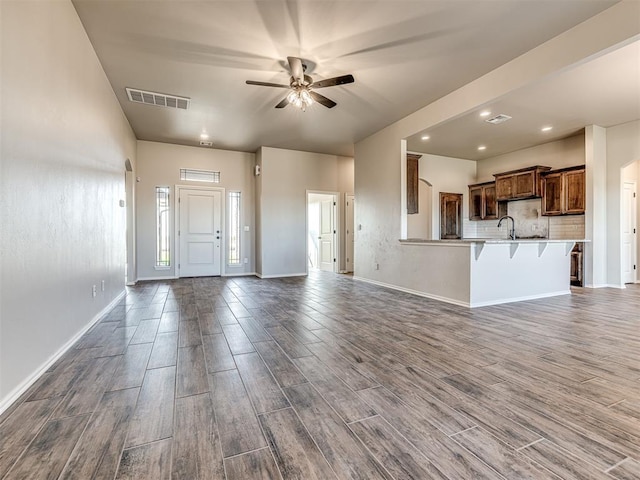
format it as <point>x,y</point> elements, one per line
<point>489,241</point>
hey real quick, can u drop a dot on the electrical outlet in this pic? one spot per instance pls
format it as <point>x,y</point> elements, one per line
<point>376,266</point>
<point>102,285</point>
<point>246,260</point>
<point>94,290</point>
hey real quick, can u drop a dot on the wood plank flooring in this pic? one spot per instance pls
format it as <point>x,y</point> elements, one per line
<point>325,377</point>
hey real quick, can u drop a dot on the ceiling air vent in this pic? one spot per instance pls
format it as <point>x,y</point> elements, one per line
<point>501,118</point>
<point>158,99</point>
<point>206,143</point>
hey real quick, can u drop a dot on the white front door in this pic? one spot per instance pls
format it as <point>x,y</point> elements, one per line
<point>350,235</point>
<point>200,232</point>
<point>629,232</point>
<point>326,247</point>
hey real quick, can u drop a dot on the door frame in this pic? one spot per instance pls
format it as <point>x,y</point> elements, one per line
<point>634,246</point>
<point>347,197</point>
<point>176,224</point>
<point>336,223</point>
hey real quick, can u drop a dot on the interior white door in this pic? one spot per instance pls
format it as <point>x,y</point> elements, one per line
<point>326,248</point>
<point>629,203</point>
<point>200,232</point>
<point>350,234</point>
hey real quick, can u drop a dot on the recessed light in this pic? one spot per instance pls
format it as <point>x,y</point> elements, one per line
<point>425,137</point>
<point>546,129</point>
<point>204,136</point>
<point>485,113</point>
<point>482,147</point>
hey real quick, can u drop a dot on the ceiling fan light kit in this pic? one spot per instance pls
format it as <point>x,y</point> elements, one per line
<point>302,88</point>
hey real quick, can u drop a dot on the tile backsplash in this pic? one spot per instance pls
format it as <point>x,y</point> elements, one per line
<point>529,223</point>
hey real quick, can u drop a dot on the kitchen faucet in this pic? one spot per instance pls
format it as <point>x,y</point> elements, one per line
<point>512,232</point>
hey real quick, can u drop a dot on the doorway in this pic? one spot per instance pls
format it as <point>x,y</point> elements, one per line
<point>629,249</point>
<point>200,236</point>
<point>322,231</point>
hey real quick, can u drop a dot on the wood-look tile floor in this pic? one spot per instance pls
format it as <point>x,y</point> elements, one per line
<point>325,377</point>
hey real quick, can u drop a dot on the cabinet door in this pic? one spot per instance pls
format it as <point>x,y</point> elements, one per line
<point>504,187</point>
<point>552,194</point>
<point>490,203</point>
<point>574,197</point>
<point>524,184</point>
<point>475,203</point>
<point>450,215</point>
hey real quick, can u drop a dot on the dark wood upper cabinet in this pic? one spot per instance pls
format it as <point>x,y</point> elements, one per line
<point>563,191</point>
<point>450,216</point>
<point>412,182</point>
<point>520,184</point>
<point>483,204</point>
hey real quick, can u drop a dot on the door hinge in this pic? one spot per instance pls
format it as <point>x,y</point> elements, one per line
<point>178,199</point>
<point>334,204</point>
<point>178,232</point>
<point>334,232</point>
<point>634,267</point>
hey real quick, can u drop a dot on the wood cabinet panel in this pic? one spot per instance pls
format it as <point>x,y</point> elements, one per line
<point>412,182</point>
<point>563,192</point>
<point>483,204</point>
<point>552,194</point>
<point>574,191</point>
<point>450,215</point>
<point>520,184</point>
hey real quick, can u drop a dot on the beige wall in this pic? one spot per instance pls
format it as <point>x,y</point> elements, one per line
<point>64,142</point>
<point>559,154</point>
<point>286,177</point>
<point>159,164</point>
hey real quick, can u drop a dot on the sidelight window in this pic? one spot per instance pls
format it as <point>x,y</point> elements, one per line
<point>234,228</point>
<point>163,259</point>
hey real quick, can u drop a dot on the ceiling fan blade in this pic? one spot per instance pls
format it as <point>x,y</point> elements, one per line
<point>331,82</point>
<point>267,84</point>
<point>283,103</point>
<point>322,100</point>
<point>295,65</point>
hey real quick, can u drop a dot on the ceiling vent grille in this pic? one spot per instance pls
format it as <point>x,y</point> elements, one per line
<point>206,143</point>
<point>501,118</point>
<point>157,99</point>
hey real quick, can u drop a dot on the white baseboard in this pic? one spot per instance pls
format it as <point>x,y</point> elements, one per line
<point>520,299</point>
<point>14,394</point>
<point>414,292</point>
<point>241,274</point>
<point>283,275</point>
<point>145,279</point>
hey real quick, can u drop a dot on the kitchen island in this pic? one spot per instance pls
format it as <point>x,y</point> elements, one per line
<point>478,272</point>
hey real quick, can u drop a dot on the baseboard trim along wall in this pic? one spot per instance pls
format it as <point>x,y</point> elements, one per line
<point>241,274</point>
<point>24,386</point>
<point>413,292</point>
<point>283,275</point>
<point>149,279</point>
<point>520,299</point>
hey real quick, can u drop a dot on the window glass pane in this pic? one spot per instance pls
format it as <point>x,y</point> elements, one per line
<point>162,227</point>
<point>234,228</point>
<point>199,175</point>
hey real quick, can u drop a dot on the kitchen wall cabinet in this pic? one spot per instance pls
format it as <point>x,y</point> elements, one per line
<point>483,204</point>
<point>412,182</point>
<point>520,184</point>
<point>563,191</point>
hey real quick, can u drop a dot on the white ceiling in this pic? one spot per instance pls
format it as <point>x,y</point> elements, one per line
<point>403,54</point>
<point>604,91</point>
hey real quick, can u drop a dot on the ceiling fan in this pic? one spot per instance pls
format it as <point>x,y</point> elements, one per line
<point>302,87</point>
